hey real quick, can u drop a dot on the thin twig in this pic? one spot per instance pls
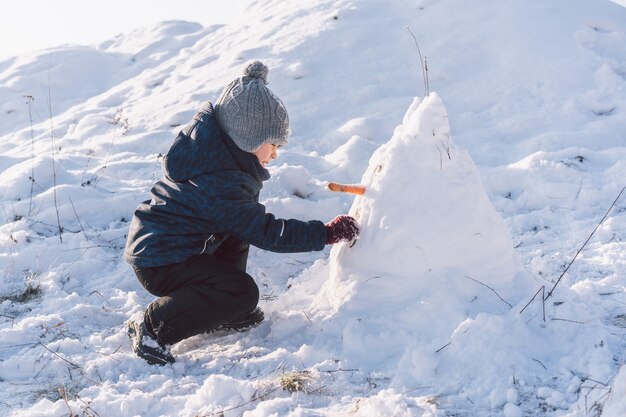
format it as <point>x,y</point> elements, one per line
<point>443,347</point>
<point>87,406</point>
<point>50,328</point>
<point>108,355</point>
<point>243,355</point>
<point>307,317</point>
<point>540,363</point>
<point>63,393</point>
<point>330,371</point>
<point>585,379</point>
<point>422,65</point>
<point>532,299</point>
<point>597,403</point>
<point>54,168</point>
<point>52,226</point>
<point>415,389</point>
<point>580,187</point>
<point>84,248</point>
<point>82,372</point>
<point>254,399</point>
<point>36,376</point>
<point>584,244</point>
<point>567,320</point>
<point>494,291</point>
<point>78,219</point>
<point>29,101</point>
<point>426,72</point>
<point>18,345</point>
<point>543,303</point>
<point>57,355</point>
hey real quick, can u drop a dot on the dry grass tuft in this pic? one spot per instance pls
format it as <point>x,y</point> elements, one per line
<point>296,381</point>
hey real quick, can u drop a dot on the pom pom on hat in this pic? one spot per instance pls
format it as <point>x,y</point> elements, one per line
<point>256,69</point>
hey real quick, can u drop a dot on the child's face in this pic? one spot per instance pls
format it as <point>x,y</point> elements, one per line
<point>266,153</point>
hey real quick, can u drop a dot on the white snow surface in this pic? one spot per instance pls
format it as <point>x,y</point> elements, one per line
<point>479,195</point>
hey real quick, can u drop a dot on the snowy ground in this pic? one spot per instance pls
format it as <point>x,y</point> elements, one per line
<point>422,317</point>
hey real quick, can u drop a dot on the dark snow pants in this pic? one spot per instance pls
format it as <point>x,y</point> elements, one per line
<point>200,293</point>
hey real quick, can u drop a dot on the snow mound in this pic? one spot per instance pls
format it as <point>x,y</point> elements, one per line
<point>615,405</point>
<point>432,253</point>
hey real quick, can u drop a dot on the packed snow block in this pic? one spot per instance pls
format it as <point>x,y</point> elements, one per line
<point>432,253</point>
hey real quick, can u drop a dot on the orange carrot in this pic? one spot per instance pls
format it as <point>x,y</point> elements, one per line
<point>357,189</point>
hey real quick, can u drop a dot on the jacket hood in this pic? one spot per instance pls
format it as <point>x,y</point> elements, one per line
<point>201,148</point>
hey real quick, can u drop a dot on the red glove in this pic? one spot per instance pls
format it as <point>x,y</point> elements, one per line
<point>342,228</point>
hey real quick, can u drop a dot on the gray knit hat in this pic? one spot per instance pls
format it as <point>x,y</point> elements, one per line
<point>250,113</point>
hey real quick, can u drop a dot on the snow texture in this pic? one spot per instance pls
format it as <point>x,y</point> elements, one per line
<point>473,210</point>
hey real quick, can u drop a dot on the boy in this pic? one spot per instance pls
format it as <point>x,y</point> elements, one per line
<point>189,244</point>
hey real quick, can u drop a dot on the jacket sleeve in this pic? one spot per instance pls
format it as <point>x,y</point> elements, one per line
<point>236,210</point>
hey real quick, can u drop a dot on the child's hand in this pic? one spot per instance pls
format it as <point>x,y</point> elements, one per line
<point>342,228</point>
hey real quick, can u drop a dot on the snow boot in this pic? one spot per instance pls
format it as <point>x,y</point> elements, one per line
<point>146,346</point>
<point>243,322</point>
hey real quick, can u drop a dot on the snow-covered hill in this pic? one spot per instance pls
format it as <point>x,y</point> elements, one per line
<point>422,317</point>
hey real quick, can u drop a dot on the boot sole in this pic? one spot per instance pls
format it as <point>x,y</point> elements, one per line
<point>145,355</point>
<point>255,320</point>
